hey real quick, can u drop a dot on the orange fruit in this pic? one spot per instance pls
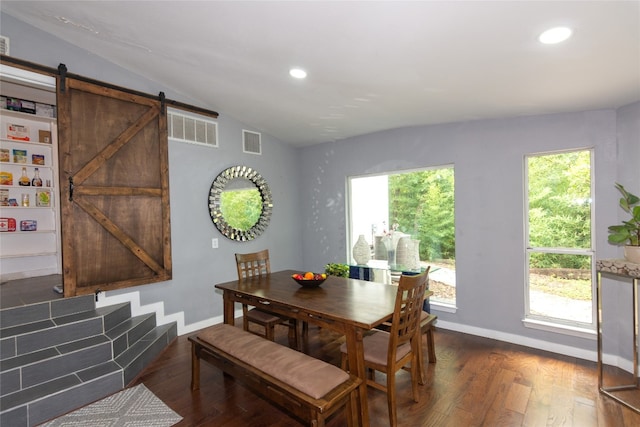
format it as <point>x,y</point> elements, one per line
<point>308,275</point>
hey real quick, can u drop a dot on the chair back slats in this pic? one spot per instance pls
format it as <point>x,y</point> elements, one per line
<point>253,264</point>
<point>406,316</point>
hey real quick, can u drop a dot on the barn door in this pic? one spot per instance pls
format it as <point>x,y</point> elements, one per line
<point>114,186</point>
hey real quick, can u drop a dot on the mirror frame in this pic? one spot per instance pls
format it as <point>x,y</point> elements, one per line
<point>217,187</point>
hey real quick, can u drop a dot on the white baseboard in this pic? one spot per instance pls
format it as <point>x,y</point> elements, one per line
<point>158,308</point>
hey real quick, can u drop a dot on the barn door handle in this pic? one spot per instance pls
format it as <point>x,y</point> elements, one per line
<point>71,189</point>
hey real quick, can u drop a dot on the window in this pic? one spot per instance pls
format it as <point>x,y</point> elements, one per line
<point>417,205</point>
<point>560,271</point>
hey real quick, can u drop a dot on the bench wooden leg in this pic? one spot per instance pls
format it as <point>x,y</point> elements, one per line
<point>195,368</point>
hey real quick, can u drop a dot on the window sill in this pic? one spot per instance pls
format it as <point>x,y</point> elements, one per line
<point>438,306</point>
<point>560,328</point>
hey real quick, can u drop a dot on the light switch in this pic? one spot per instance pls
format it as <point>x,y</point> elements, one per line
<point>214,243</point>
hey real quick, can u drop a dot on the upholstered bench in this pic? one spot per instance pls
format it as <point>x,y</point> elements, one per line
<point>309,388</point>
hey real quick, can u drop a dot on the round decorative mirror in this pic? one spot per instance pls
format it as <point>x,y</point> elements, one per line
<point>240,203</point>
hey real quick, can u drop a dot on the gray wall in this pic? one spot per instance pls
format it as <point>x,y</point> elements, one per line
<point>628,155</point>
<point>488,157</point>
<point>308,227</point>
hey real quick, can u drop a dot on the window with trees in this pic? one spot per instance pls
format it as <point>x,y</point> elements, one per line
<point>560,285</point>
<point>414,204</point>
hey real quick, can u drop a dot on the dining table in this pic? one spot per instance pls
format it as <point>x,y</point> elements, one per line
<point>348,306</point>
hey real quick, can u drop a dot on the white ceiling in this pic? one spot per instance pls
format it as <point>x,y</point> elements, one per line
<point>371,65</point>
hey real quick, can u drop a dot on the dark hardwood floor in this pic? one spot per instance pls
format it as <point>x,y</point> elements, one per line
<point>475,382</point>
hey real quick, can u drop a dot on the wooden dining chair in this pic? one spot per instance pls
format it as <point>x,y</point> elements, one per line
<point>427,325</point>
<point>257,264</point>
<point>397,349</point>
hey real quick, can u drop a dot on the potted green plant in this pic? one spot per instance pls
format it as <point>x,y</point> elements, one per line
<point>336,269</point>
<point>628,233</point>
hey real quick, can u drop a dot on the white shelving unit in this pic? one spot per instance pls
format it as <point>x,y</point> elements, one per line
<point>30,253</point>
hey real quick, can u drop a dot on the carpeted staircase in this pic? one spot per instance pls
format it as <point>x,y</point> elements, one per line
<point>60,355</point>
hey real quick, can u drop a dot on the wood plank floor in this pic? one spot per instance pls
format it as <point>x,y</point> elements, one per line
<point>475,382</point>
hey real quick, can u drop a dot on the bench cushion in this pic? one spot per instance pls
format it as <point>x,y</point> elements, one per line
<point>311,376</point>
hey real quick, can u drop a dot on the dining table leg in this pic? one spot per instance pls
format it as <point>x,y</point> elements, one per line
<point>355,353</point>
<point>228,306</point>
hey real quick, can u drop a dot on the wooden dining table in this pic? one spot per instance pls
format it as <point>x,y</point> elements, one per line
<point>347,306</point>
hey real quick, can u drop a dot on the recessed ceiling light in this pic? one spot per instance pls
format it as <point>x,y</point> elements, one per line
<point>298,73</point>
<point>555,35</point>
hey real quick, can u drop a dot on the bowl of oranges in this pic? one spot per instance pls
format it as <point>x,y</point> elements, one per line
<point>309,279</point>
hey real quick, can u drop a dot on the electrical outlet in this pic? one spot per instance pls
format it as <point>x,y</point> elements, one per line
<point>214,243</point>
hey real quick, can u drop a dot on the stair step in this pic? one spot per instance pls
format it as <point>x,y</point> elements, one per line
<point>42,366</point>
<point>8,345</point>
<point>114,314</point>
<point>45,401</point>
<point>58,356</point>
<point>14,405</point>
<point>31,313</point>
<point>23,339</point>
<point>144,351</point>
<point>130,331</point>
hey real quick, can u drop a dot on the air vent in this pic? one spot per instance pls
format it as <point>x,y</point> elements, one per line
<point>4,45</point>
<point>251,142</point>
<point>193,129</point>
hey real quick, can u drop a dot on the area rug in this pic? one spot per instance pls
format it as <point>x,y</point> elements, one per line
<point>136,406</point>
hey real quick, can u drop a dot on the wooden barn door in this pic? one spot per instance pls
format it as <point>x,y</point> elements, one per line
<point>114,186</point>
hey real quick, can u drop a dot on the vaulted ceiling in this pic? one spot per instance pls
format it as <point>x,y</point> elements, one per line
<point>370,65</point>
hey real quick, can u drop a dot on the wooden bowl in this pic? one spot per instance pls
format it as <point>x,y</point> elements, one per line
<point>309,283</point>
